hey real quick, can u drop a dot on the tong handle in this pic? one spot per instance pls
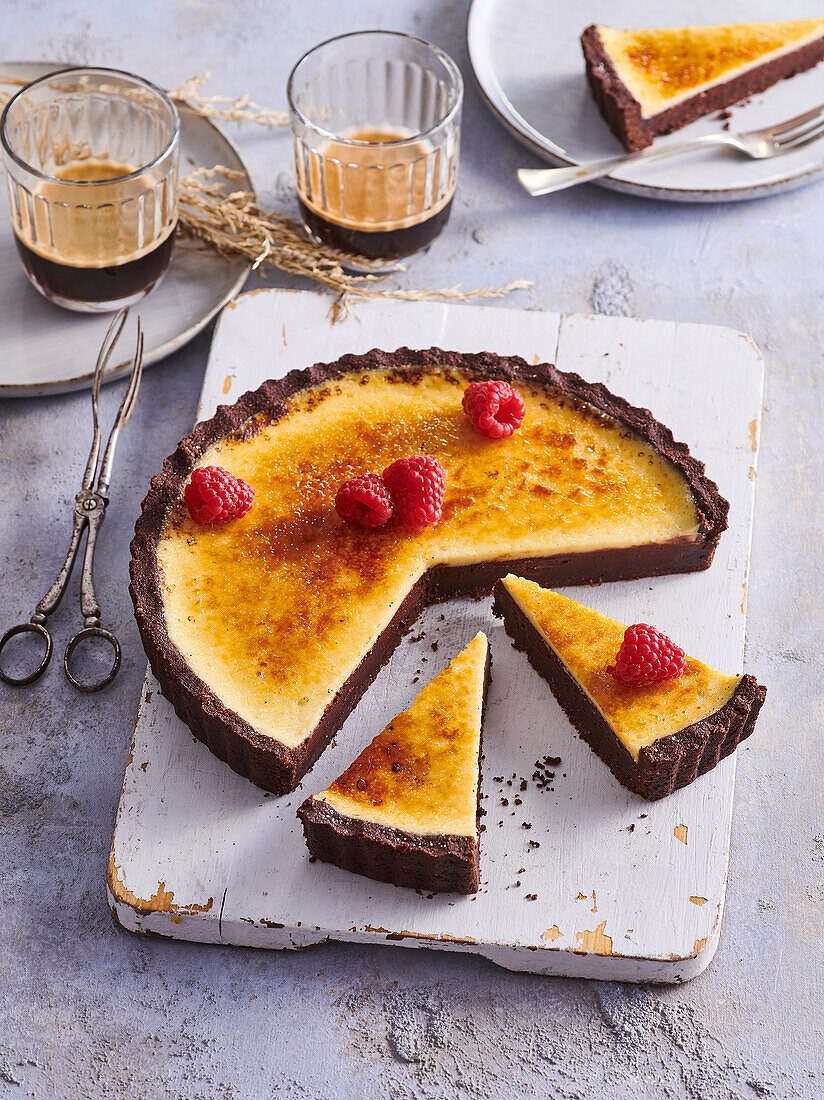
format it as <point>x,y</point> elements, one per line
<point>92,506</point>
<point>55,594</point>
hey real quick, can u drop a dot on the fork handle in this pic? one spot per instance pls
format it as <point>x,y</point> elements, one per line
<point>543,181</point>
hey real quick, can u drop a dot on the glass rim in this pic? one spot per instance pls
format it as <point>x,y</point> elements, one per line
<point>449,64</point>
<point>170,144</point>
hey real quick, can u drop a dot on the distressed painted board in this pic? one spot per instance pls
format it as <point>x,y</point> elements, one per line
<point>601,884</point>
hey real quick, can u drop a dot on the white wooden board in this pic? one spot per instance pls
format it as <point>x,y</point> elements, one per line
<point>624,889</point>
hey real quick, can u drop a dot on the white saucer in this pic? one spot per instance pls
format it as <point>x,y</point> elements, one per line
<point>45,349</point>
<point>527,60</point>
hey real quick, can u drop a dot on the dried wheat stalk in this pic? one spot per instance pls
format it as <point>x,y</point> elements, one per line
<point>233,224</point>
<point>240,109</point>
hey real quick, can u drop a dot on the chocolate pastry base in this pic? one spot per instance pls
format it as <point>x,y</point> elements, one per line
<point>437,864</point>
<point>264,760</point>
<point>622,111</point>
<point>670,762</point>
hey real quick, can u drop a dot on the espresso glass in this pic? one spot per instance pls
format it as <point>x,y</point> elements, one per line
<point>91,158</point>
<point>375,119</point>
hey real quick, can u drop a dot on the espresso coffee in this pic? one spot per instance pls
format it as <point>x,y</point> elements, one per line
<point>374,199</point>
<point>93,252</point>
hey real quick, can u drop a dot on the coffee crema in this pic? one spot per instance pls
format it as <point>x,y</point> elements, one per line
<point>376,199</point>
<point>114,240</point>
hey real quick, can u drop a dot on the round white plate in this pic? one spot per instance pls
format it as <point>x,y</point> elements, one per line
<point>527,60</point>
<point>45,349</point>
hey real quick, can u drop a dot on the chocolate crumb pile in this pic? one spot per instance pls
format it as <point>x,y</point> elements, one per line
<point>544,773</point>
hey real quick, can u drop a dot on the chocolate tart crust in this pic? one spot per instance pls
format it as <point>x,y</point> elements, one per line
<point>438,864</point>
<point>622,112</point>
<point>670,762</point>
<point>264,760</point>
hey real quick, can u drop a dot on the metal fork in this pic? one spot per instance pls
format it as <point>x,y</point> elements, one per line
<point>772,141</point>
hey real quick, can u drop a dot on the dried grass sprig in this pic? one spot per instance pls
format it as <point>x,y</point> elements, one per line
<point>231,223</point>
<point>239,109</point>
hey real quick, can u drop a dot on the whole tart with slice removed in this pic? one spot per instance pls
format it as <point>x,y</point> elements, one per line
<point>407,810</point>
<point>266,630</point>
<point>654,739</point>
<point>651,82</point>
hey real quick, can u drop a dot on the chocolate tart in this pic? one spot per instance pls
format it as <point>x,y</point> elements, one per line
<point>654,739</point>
<point>651,82</point>
<point>264,632</point>
<point>407,811</point>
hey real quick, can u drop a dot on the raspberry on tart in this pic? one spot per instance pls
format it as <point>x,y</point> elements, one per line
<point>495,408</point>
<point>213,495</point>
<point>655,738</point>
<point>416,486</point>
<point>264,634</point>
<point>364,501</point>
<point>646,657</point>
<point>406,810</point>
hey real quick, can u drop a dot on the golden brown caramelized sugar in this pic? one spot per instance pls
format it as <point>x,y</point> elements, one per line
<point>662,65</point>
<point>587,643</point>
<point>276,610</point>
<point>421,773</point>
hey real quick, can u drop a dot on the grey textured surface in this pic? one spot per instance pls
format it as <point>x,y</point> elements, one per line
<point>86,1010</point>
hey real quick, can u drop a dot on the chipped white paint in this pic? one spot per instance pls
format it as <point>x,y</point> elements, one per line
<point>220,861</point>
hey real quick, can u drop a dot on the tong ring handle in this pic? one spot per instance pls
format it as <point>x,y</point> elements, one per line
<point>26,628</point>
<point>81,636</point>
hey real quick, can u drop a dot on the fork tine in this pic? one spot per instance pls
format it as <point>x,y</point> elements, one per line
<point>813,134</point>
<point>107,347</point>
<point>791,123</point>
<point>134,381</point>
<point>123,413</point>
<point>798,132</point>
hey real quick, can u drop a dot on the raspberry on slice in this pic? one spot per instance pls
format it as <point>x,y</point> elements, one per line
<point>213,495</point>
<point>416,486</point>
<point>647,657</point>
<point>495,408</point>
<point>364,501</point>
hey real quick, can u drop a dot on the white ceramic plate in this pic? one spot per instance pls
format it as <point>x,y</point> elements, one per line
<point>45,349</point>
<point>527,61</point>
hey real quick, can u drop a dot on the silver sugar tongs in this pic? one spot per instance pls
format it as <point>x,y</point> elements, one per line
<point>89,512</point>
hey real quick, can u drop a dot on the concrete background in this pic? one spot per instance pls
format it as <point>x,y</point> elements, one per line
<point>87,1010</point>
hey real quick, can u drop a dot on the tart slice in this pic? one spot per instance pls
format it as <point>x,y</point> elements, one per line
<point>406,811</point>
<point>650,82</point>
<point>654,739</point>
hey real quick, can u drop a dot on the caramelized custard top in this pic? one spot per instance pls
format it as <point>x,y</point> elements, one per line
<point>276,610</point>
<point>665,65</point>
<point>587,643</point>
<point>421,773</point>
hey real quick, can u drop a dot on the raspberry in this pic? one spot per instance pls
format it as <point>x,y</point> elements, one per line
<point>495,408</point>
<point>647,657</point>
<point>416,486</point>
<point>213,495</point>
<point>364,501</point>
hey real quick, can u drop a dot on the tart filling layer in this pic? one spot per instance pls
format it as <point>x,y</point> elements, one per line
<point>661,67</point>
<point>421,774</point>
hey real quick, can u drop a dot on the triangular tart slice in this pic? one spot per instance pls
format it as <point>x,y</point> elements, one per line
<point>650,82</point>
<point>654,739</point>
<point>406,811</point>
